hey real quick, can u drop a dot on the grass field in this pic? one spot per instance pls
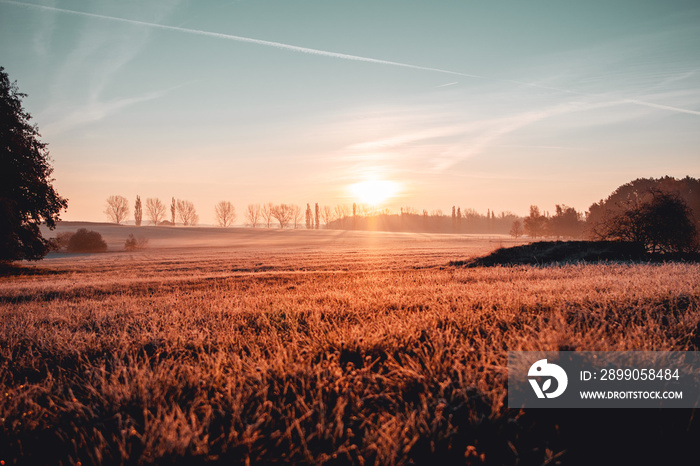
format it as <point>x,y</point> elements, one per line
<point>322,347</point>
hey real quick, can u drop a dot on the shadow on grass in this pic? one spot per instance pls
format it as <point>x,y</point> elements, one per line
<point>14,270</point>
<point>554,252</point>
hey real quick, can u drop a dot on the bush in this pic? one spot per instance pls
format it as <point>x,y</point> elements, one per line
<point>60,241</point>
<point>132,243</point>
<point>86,241</point>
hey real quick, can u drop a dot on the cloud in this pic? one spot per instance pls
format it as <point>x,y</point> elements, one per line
<point>249,40</point>
<point>342,56</point>
<point>97,110</point>
<point>79,84</point>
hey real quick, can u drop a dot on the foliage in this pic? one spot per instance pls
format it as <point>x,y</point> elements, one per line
<point>516,230</point>
<point>117,209</point>
<point>640,191</point>
<point>27,198</point>
<point>132,243</point>
<point>535,223</point>
<point>566,222</point>
<point>661,223</point>
<point>309,217</point>
<point>138,211</point>
<point>60,242</point>
<point>86,241</point>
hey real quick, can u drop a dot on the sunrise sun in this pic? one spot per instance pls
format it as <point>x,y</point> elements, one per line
<point>374,192</point>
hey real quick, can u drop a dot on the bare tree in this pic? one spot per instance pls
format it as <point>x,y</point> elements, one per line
<point>283,214</point>
<point>138,211</point>
<point>297,215</point>
<point>117,208</point>
<point>317,213</point>
<point>173,210</point>
<point>327,215</point>
<point>225,213</point>
<point>253,215</point>
<point>186,212</point>
<point>516,230</point>
<point>155,209</point>
<point>341,211</point>
<point>266,213</point>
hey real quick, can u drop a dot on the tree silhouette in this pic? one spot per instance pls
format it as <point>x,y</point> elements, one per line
<point>662,224</point>
<point>252,214</point>
<point>225,213</point>
<point>327,215</point>
<point>317,212</point>
<point>535,223</point>
<point>117,208</point>
<point>340,212</point>
<point>566,222</point>
<point>296,215</point>
<point>309,217</point>
<point>516,230</point>
<point>138,211</point>
<point>282,213</point>
<point>266,213</point>
<point>27,198</point>
<point>640,191</point>
<point>186,212</point>
<point>155,209</point>
<point>173,211</point>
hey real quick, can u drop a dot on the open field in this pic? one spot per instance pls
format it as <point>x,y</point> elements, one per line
<point>322,347</point>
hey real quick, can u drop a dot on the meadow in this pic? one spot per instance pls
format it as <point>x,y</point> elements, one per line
<point>323,347</point>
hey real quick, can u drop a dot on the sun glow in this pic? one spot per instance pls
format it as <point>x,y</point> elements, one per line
<point>374,192</point>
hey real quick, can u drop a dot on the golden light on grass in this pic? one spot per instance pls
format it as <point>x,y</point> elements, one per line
<point>374,192</point>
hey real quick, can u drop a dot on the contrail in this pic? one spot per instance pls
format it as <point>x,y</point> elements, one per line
<point>325,53</point>
<point>267,43</point>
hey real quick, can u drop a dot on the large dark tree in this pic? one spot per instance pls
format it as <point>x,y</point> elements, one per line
<point>27,198</point>
<point>639,192</point>
<point>661,223</point>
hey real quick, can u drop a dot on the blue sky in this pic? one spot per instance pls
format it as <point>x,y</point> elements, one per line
<point>486,105</point>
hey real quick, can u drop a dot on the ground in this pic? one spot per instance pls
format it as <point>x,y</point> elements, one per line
<point>254,346</point>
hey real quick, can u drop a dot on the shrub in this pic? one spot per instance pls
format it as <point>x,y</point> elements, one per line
<point>132,243</point>
<point>60,242</point>
<point>86,241</point>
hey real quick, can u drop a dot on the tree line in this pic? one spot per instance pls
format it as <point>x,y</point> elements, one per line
<point>659,213</point>
<point>566,222</point>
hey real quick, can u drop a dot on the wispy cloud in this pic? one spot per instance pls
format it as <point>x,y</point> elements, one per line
<point>435,142</point>
<point>96,110</point>
<point>330,54</point>
<point>83,77</point>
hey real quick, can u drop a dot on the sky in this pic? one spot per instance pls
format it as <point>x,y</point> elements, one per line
<point>483,105</point>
